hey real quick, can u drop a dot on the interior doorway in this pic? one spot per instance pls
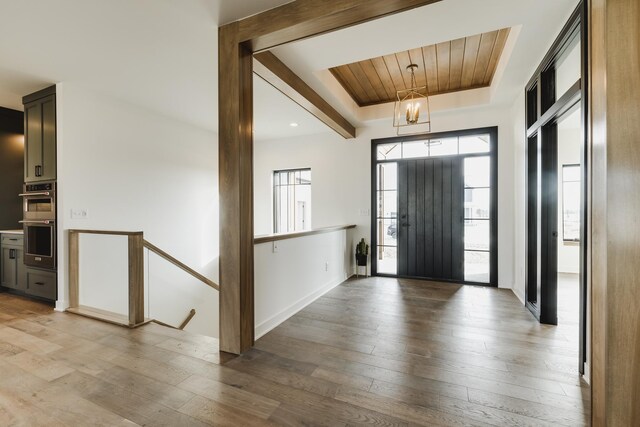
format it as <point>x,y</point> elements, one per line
<point>557,172</point>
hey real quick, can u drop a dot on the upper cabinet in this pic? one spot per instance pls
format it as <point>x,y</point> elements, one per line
<point>40,135</point>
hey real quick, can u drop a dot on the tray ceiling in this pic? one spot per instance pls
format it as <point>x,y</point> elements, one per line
<point>456,65</point>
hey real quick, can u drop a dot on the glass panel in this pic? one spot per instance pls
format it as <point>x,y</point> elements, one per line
<point>284,178</point>
<point>302,207</point>
<point>571,173</point>
<point>387,204</point>
<point>477,172</point>
<point>388,176</point>
<point>568,69</point>
<point>388,232</point>
<point>305,176</point>
<point>474,144</point>
<point>477,266</point>
<point>283,225</point>
<point>415,149</point>
<point>443,147</point>
<point>389,151</point>
<point>477,203</point>
<point>387,260</point>
<point>39,240</point>
<point>38,205</point>
<point>476,235</point>
<point>571,211</point>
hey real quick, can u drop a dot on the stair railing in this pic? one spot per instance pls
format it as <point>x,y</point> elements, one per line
<point>136,246</point>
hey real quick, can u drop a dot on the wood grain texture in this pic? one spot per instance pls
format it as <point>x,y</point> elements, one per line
<point>306,18</point>
<point>456,65</point>
<point>74,269</point>
<point>235,153</point>
<point>614,35</point>
<point>276,73</point>
<point>284,236</point>
<point>371,351</point>
<point>156,250</point>
<point>136,279</point>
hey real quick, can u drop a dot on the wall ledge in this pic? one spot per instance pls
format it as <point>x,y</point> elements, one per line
<point>284,236</point>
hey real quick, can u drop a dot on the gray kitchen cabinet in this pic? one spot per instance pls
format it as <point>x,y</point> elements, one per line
<point>40,136</point>
<point>12,269</point>
<point>41,283</point>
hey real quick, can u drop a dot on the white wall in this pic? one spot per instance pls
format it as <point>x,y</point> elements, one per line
<point>135,170</point>
<point>341,171</point>
<point>296,273</point>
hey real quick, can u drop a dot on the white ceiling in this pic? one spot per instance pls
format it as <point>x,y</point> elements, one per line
<point>162,54</point>
<point>274,113</point>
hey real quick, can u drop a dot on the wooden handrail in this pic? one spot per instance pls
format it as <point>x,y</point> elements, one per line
<point>156,250</point>
<point>184,323</point>
<point>283,236</point>
<point>136,245</point>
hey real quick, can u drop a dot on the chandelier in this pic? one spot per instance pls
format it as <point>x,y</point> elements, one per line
<point>411,112</point>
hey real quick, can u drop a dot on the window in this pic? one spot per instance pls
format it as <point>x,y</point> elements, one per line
<point>571,203</point>
<point>477,219</point>
<point>291,200</point>
<point>450,146</point>
<point>386,217</point>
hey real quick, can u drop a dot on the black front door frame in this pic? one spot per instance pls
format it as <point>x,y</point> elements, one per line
<point>493,155</point>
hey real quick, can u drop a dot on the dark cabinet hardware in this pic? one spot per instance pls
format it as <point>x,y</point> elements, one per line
<point>39,283</point>
<point>12,254</point>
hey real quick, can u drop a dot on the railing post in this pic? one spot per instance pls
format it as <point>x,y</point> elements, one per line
<point>74,269</point>
<point>136,279</point>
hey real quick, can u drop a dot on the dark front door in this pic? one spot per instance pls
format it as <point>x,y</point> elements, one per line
<point>431,218</point>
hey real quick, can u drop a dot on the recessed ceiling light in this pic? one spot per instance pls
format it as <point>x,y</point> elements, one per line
<point>293,125</point>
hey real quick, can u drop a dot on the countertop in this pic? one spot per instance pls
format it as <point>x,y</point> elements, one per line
<point>11,232</point>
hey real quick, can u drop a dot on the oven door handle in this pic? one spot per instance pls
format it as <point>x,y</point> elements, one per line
<point>43,193</point>
<point>45,221</point>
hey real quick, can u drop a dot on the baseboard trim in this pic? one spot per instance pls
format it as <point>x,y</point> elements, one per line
<point>61,305</point>
<point>275,320</point>
<point>518,295</point>
<point>587,373</point>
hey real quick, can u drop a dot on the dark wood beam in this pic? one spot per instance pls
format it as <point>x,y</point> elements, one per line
<point>236,44</point>
<point>235,152</point>
<point>306,18</point>
<point>277,74</point>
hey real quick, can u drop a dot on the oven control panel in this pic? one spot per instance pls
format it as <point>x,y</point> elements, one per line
<point>45,186</point>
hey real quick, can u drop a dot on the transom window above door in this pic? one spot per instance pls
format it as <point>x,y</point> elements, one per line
<point>446,146</point>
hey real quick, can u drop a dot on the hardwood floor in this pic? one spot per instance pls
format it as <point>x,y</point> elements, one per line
<point>371,351</point>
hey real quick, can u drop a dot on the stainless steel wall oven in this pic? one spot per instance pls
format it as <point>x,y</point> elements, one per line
<point>39,222</point>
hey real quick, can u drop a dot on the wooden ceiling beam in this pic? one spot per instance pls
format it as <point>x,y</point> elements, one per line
<point>277,74</point>
<point>306,18</point>
<point>237,42</point>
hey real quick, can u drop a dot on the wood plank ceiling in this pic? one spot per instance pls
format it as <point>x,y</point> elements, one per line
<point>456,65</point>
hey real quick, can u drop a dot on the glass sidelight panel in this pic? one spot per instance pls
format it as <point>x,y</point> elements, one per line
<point>568,69</point>
<point>386,216</point>
<point>477,219</point>
<point>476,266</point>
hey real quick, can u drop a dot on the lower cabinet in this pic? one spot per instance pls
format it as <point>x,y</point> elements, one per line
<point>12,269</point>
<point>14,275</point>
<point>41,284</point>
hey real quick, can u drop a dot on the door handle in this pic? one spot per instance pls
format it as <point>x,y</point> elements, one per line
<point>12,254</point>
